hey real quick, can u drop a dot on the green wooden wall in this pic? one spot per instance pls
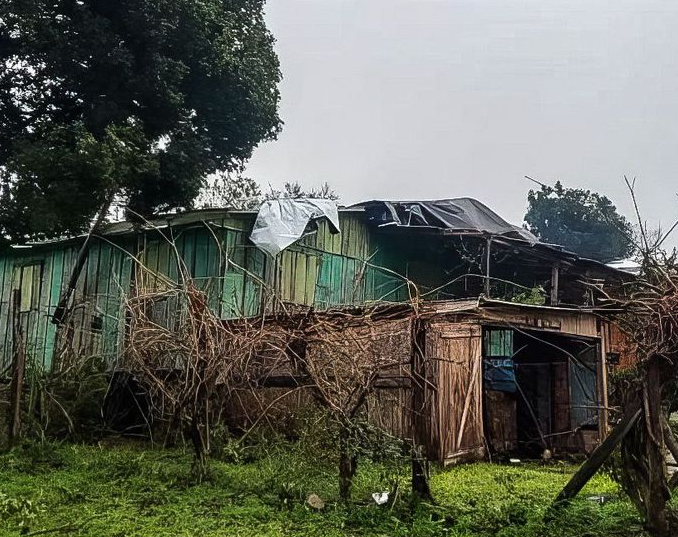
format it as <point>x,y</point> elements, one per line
<point>322,270</point>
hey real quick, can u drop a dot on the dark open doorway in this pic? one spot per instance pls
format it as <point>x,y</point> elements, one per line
<point>540,391</point>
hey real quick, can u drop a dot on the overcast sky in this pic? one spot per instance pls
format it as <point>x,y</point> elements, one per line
<point>421,99</point>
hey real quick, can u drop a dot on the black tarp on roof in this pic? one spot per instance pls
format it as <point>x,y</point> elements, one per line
<point>457,214</point>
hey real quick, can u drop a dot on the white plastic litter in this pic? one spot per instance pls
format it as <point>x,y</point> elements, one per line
<point>315,502</point>
<point>282,222</point>
<point>380,498</point>
<point>601,499</point>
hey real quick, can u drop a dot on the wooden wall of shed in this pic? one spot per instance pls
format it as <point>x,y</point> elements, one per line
<point>277,408</point>
<point>455,350</point>
<point>94,327</point>
<point>502,425</point>
<point>370,344</point>
<point>619,343</point>
<point>387,408</point>
<point>564,322</point>
<point>323,270</point>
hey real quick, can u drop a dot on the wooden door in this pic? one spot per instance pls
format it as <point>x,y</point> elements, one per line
<point>456,350</point>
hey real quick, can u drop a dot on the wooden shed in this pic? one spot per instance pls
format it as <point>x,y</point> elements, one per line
<point>478,377</point>
<point>484,375</point>
<point>508,378</point>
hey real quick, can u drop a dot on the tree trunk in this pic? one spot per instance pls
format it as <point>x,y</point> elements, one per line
<point>199,449</point>
<point>420,475</point>
<point>643,454</point>
<point>421,411</point>
<point>347,465</point>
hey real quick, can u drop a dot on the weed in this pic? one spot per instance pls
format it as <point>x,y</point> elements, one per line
<point>131,490</point>
<point>20,508</point>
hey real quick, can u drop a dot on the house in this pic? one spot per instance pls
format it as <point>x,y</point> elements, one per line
<point>510,343</point>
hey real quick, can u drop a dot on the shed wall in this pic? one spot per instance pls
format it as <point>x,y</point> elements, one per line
<point>322,270</point>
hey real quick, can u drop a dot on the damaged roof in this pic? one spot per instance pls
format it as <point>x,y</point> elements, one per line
<point>460,215</point>
<point>453,216</point>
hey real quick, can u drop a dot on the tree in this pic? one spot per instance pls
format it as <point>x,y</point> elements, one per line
<point>647,394</point>
<point>581,221</point>
<point>190,363</point>
<point>296,190</point>
<point>231,191</point>
<point>342,365</point>
<point>138,98</point>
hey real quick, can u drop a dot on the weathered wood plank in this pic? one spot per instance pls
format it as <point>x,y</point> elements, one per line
<point>598,457</point>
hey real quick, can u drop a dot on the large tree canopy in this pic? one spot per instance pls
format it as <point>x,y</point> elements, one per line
<point>140,98</point>
<point>581,221</point>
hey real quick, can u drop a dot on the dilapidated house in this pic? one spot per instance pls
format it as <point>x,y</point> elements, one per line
<point>505,349</point>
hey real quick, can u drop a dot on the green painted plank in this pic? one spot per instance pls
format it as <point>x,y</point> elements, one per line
<point>287,283</point>
<point>202,246</point>
<point>150,262</point>
<point>109,304</point>
<point>164,257</point>
<point>323,282</point>
<point>172,262</point>
<point>298,278</point>
<point>256,261</point>
<point>44,309</point>
<point>213,286</point>
<point>335,294</point>
<point>5,260</point>
<point>311,279</point>
<point>188,254</point>
<point>53,294</point>
<point>232,295</point>
<point>7,304</point>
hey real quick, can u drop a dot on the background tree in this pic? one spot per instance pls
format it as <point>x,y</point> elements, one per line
<point>140,98</point>
<point>581,221</point>
<point>231,191</point>
<point>296,190</point>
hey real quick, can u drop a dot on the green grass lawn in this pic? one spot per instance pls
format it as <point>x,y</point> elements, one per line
<point>136,491</point>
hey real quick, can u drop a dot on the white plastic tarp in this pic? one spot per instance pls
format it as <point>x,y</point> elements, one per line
<point>282,222</point>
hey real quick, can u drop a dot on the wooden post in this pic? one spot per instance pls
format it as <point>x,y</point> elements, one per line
<point>488,252</point>
<point>671,442</point>
<point>597,458</point>
<point>18,368</point>
<point>672,445</point>
<point>603,414</point>
<point>555,276</point>
<point>59,314</point>
<point>655,493</point>
<point>421,414</point>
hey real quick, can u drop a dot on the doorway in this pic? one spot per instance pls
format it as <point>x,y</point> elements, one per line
<point>540,391</point>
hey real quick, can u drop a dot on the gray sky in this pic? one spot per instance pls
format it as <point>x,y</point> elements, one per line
<point>427,99</point>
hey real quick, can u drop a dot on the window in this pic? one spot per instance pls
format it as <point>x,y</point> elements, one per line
<point>498,372</point>
<point>27,280</point>
<point>498,343</point>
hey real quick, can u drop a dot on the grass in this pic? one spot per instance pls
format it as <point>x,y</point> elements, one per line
<point>130,490</point>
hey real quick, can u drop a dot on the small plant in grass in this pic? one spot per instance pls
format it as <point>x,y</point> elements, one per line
<point>22,509</point>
